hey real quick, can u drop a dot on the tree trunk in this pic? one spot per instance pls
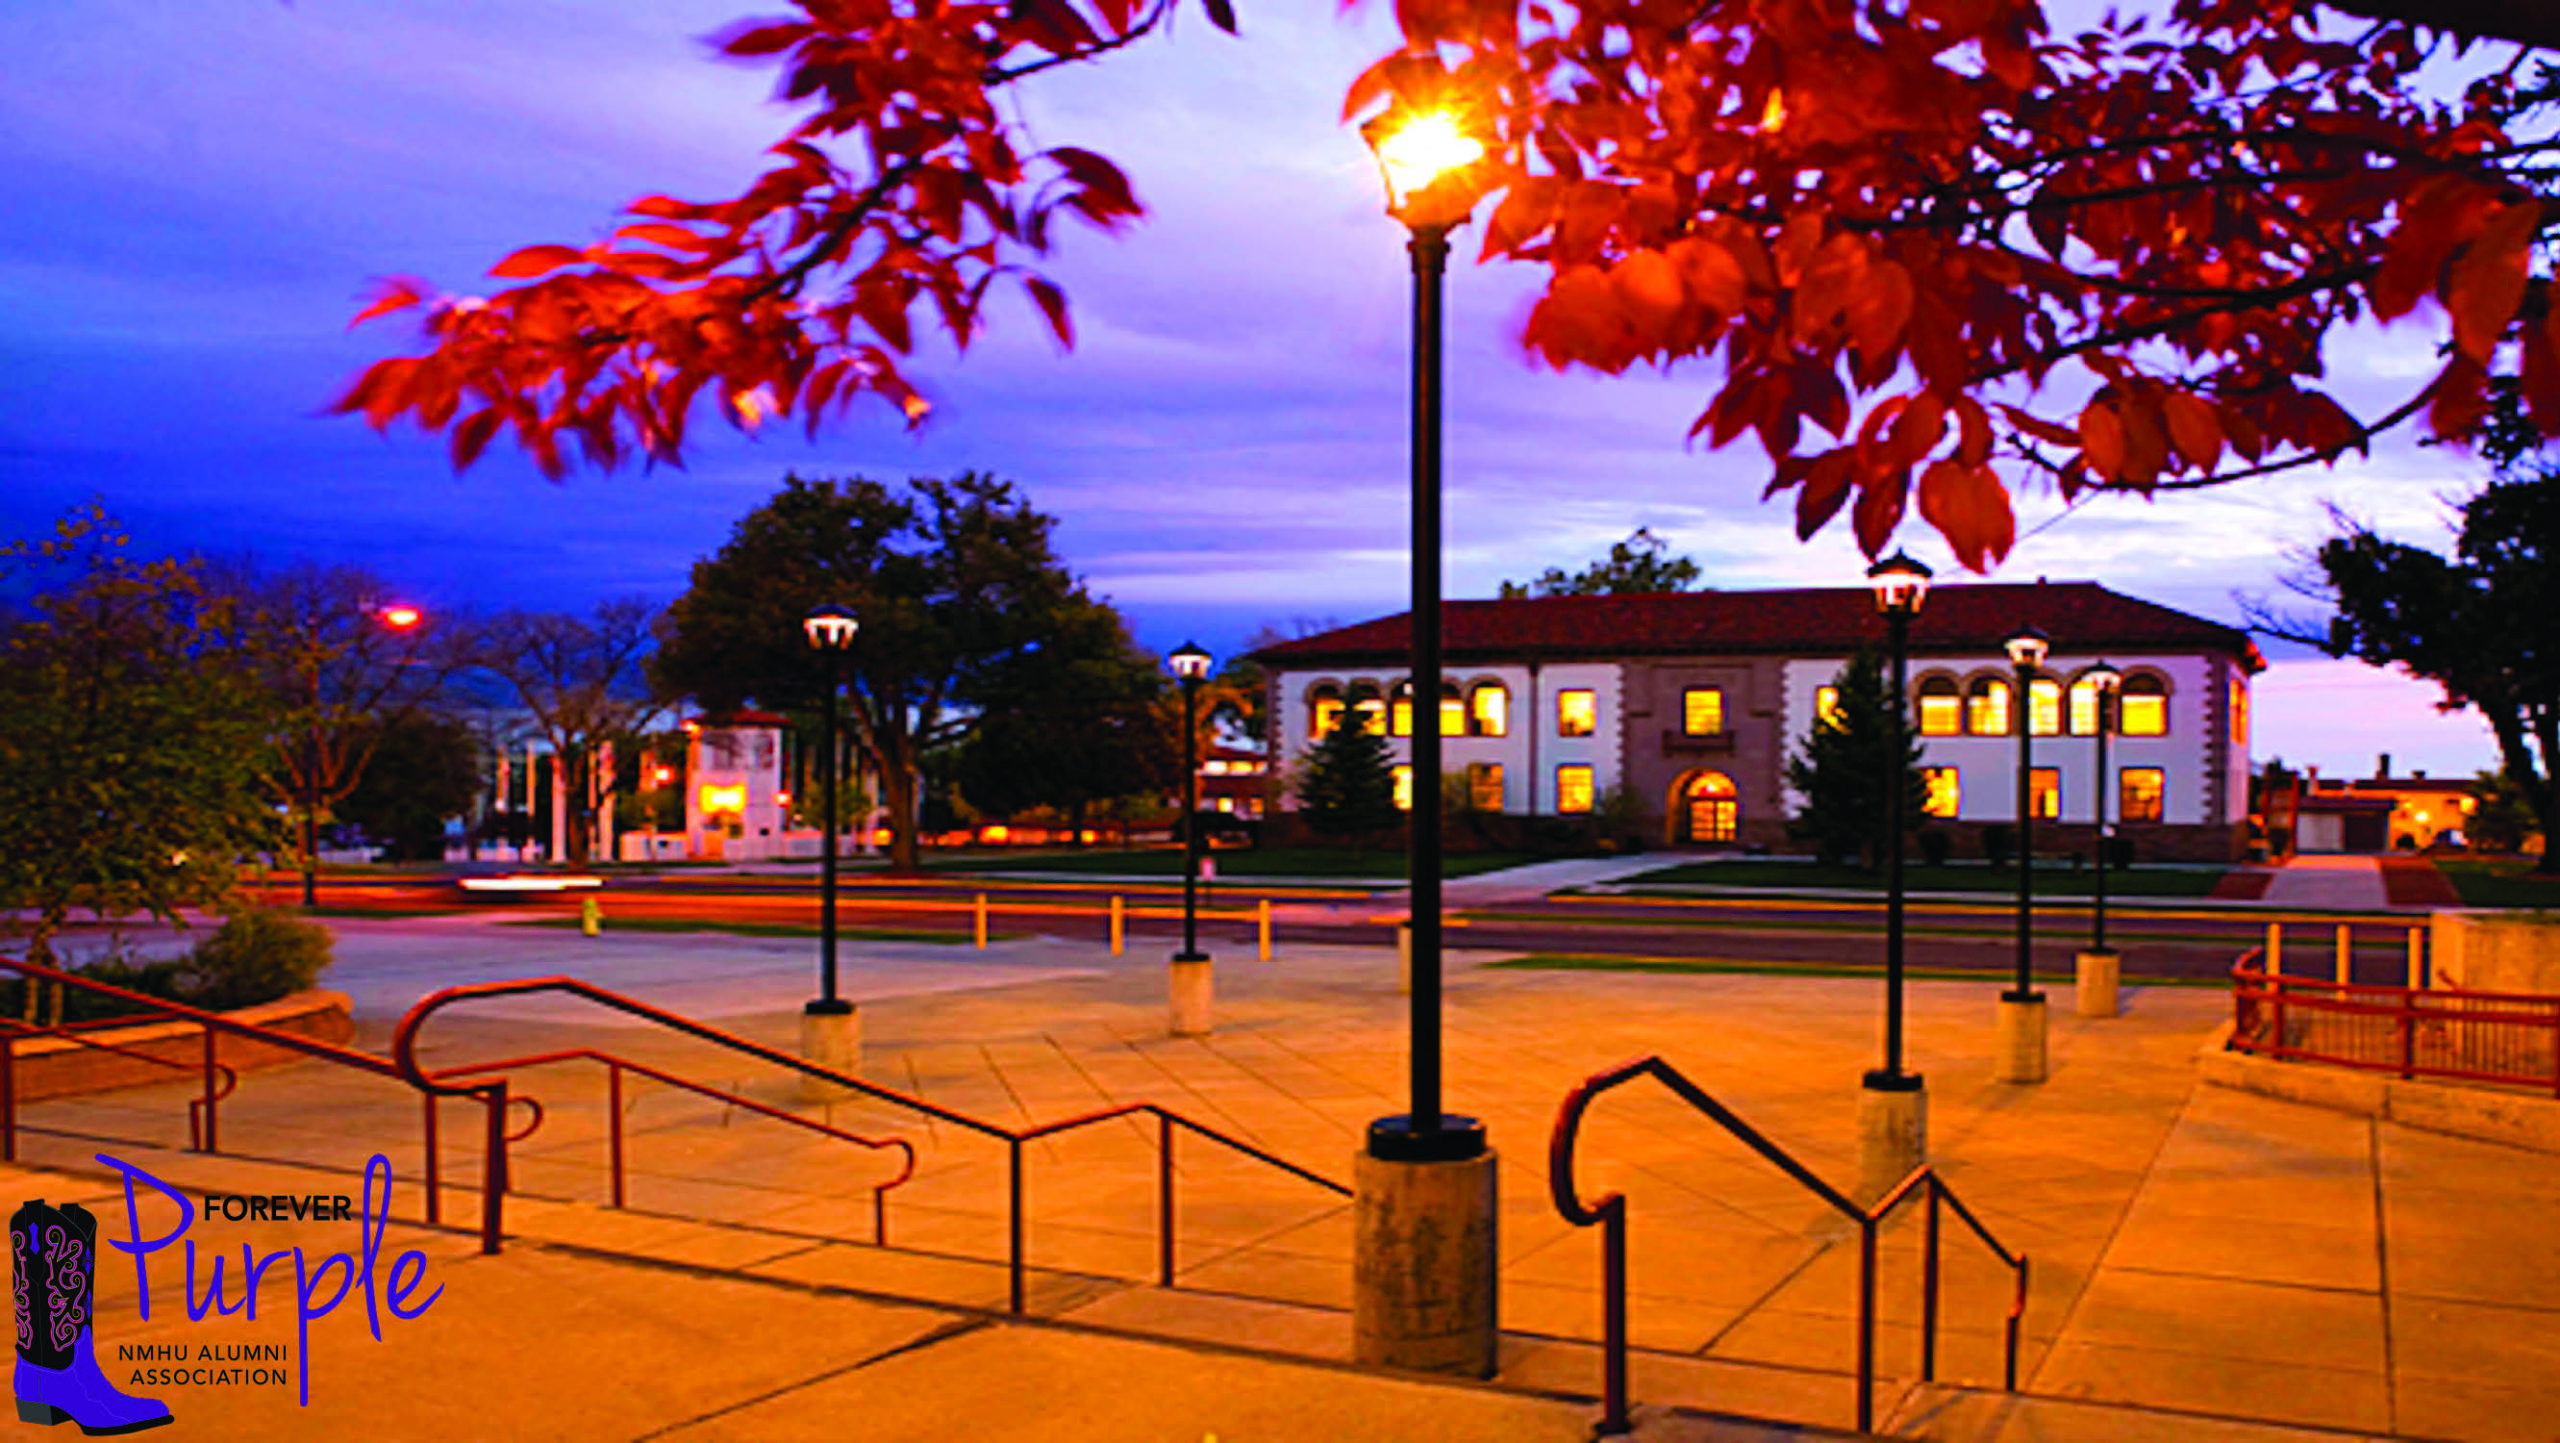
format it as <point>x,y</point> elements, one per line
<point>898,784</point>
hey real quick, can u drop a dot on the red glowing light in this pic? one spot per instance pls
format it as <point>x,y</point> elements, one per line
<point>401,618</point>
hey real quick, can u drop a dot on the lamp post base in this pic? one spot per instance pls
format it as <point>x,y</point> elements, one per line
<point>2017,1045</point>
<point>1893,1131</point>
<point>1426,1226</point>
<point>1189,992</point>
<point>1404,958</point>
<point>2099,971</point>
<point>831,1036</point>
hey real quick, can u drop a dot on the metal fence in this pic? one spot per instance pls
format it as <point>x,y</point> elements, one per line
<point>2509,1038</point>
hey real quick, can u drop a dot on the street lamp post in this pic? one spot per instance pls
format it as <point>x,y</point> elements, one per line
<point>1423,1293</point>
<point>391,618</point>
<point>2020,1048</point>
<point>2099,968</point>
<point>1190,982</point>
<point>830,1030</point>
<point>1893,1130</point>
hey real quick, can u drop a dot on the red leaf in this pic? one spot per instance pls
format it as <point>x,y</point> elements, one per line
<point>762,37</point>
<point>1053,304</point>
<point>1880,502</point>
<point>2487,284</point>
<point>396,294</point>
<point>2102,440</point>
<point>472,436</point>
<point>1879,308</point>
<point>1971,509</point>
<point>535,261</point>
<point>1221,14</point>
<point>1649,293</point>
<point>1826,486</point>
<point>1713,277</point>
<point>2541,378</point>
<point>2461,399</point>
<point>2196,430</point>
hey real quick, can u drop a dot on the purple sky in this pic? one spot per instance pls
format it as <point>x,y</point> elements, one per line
<point>196,196</point>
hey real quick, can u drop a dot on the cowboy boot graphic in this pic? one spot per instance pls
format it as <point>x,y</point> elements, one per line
<point>53,1254</point>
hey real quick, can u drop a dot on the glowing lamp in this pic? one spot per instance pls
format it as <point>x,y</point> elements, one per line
<point>401,618</point>
<point>1900,584</point>
<point>1189,662</point>
<point>2027,648</point>
<point>830,627</point>
<point>1424,159</point>
<point>2103,678</point>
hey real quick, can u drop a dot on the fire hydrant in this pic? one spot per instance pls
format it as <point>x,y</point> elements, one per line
<point>590,916</point>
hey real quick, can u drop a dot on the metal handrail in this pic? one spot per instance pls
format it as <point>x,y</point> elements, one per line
<point>404,1039</point>
<point>1611,1212</point>
<point>200,1112</point>
<point>2408,1009</point>
<point>212,1022</point>
<point>615,1066</point>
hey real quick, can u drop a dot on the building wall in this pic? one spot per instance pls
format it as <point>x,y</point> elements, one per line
<point>732,761</point>
<point>1661,761</point>
<point>1529,742</point>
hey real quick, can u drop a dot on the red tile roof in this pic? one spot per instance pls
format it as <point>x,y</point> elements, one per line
<point>2081,617</point>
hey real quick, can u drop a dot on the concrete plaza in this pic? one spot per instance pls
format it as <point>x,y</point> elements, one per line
<point>2205,1263</point>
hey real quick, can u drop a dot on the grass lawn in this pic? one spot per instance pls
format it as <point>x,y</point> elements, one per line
<point>2051,878</point>
<point>771,929</point>
<point>386,913</point>
<point>2499,882</point>
<point>1370,865</point>
<point>1586,962</point>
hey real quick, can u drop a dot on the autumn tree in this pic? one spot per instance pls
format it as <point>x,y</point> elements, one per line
<point>1933,249</point>
<point>132,736</point>
<point>2479,623</point>
<point>1640,565</point>
<point>953,581</point>
<point>584,683</point>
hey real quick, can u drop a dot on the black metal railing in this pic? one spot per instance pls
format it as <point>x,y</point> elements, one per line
<point>1611,1213</point>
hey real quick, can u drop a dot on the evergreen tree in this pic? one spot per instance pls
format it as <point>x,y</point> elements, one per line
<point>1848,763</point>
<point>1347,787</point>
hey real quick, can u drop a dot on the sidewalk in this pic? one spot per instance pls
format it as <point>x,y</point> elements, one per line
<point>2334,882</point>
<point>2205,1263</point>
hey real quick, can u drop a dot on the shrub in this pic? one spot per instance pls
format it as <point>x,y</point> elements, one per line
<point>1936,847</point>
<point>1997,842</point>
<point>256,955</point>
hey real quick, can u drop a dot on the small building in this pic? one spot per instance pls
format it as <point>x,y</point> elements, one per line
<point>735,806</point>
<point>1233,781</point>
<point>2381,812</point>
<point>1692,702</point>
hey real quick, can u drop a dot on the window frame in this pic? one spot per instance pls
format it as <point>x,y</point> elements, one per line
<point>1590,778</point>
<point>1688,711</point>
<point>1979,694</point>
<point>1493,721</point>
<point>2159,808</point>
<point>1591,718</point>
<point>1924,692</point>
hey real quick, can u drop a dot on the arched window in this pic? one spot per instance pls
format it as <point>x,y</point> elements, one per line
<point>1489,710</point>
<point>1324,710</point>
<point>2084,708</point>
<point>1369,707</point>
<point>1400,709</point>
<point>1453,710</point>
<point>2143,710</point>
<point>2044,706</point>
<point>1941,707</point>
<point>1986,707</point>
<point>1710,810</point>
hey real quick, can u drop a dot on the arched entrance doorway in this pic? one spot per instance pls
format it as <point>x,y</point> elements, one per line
<point>1706,810</point>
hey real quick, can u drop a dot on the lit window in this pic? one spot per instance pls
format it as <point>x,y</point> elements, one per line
<point>1484,786</point>
<point>1400,709</point>
<point>1404,788</point>
<point>2239,712</point>
<point>2044,787</point>
<point>2138,794</point>
<point>1945,791</point>
<point>1577,713</point>
<point>1370,708</point>
<point>2044,707</point>
<point>1941,709</point>
<point>1986,708</point>
<point>1324,711</point>
<point>1453,712</point>
<point>1702,711</point>
<point>2084,707</point>
<point>2143,709</point>
<point>1489,710</point>
<point>1826,708</point>
<point>1573,788</point>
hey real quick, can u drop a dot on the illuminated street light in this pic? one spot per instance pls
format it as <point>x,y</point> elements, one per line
<point>830,630</point>
<point>1191,664</point>
<point>1901,585</point>
<point>2021,1046</point>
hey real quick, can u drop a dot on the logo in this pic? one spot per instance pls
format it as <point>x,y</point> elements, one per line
<point>54,1253</point>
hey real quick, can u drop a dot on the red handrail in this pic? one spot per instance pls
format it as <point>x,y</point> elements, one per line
<point>1611,1212</point>
<point>615,1066</point>
<point>201,1117</point>
<point>2510,1038</point>
<point>404,1042</point>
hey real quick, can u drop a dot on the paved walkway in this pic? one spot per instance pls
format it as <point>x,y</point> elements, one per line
<point>2329,882</point>
<point>2206,1263</point>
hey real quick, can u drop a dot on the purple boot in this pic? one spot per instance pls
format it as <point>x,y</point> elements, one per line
<point>54,1257</point>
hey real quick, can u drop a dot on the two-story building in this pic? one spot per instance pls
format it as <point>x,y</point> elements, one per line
<point>1692,702</point>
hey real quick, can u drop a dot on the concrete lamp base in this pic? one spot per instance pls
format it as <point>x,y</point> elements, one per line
<point>2099,972</point>
<point>2017,1044</point>
<point>831,1036</point>
<point>1423,1287</point>
<point>1404,958</point>
<point>1893,1131</point>
<point>1189,992</point>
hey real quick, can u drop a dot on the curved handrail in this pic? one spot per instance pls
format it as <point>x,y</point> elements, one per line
<point>616,1065</point>
<point>404,1043</point>
<point>1610,1210</point>
<point>198,1108</point>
